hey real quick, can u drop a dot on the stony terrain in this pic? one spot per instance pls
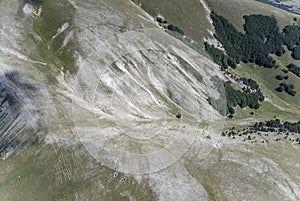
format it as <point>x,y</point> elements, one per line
<point>289,5</point>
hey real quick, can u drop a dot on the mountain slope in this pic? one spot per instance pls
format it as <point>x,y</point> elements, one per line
<point>116,109</point>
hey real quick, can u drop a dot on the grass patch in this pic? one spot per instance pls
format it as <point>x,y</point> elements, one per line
<point>54,14</point>
<point>204,177</point>
<point>51,172</point>
<point>189,15</point>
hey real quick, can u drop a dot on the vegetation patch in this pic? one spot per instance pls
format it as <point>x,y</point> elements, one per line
<point>249,97</point>
<point>288,88</point>
<point>294,69</point>
<point>263,132</point>
<point>251,86</point>
<point>261,38</point>
<point>239,98</point>
<point>291,36</point>
<point>261,43</point>
<point>165,25</point>
<point>219,57</point>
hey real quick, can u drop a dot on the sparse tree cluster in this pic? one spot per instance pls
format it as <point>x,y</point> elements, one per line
<point>251,86</point>
<point>294,69</point>
<point>164,24</point>
<point>277,125</point>
<point>218,56</point>
<point>235,98</point>
<point>238,98</point>
<point>288,88</point>
<point>273,128</point>
<point>172,27</point>
<point>281,77</point>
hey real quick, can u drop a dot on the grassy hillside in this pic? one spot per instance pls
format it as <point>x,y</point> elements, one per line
<point>65,173</point>
<point>234,10</point>
<point>276,104</point>
<point>189,15</point>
